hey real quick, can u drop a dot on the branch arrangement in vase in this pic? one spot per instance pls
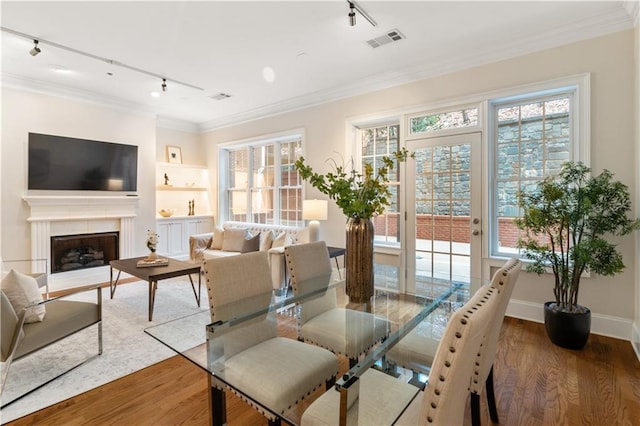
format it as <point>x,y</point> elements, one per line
<point>360,195</point>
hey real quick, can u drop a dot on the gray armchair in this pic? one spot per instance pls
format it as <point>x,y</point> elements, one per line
<point>62,319</point>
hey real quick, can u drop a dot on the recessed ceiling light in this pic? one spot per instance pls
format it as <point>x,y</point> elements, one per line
<point>155,94</point>
<point>268,74</point>
<point>61,69</point>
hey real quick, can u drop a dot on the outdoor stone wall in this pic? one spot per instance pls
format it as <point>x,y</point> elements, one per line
<point>527,151</point>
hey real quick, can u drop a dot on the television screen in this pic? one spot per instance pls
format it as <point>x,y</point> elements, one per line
<point>61,163</point>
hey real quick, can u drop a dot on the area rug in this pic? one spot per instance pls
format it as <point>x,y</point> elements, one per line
<point>126,347</point>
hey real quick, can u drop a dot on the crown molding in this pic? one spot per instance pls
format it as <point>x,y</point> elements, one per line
<point>622,18</point>
<point>632,7</point>
<point>176,124</point>
<point>66,92</point>
<point>618,20</point>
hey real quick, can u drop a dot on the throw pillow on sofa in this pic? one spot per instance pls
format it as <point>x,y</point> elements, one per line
<point>282,240</point>
<point>234,239</point>
<point>22,291</point>
<point>266,239</point>
<point>217,239</point>
<point>251,244</point>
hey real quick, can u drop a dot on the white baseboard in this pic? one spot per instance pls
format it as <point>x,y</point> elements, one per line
<point>604,325</point>
<point>635,339</point>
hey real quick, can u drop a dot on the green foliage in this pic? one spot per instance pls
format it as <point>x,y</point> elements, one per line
<point>565,219</point>
<point>359,195</point>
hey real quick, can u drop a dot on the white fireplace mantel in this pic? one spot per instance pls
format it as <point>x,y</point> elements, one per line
<point>53,215</point>
<point>77,207</point>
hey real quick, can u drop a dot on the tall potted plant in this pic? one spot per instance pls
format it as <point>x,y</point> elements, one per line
<point>565,220</point>
<point>360,196</point>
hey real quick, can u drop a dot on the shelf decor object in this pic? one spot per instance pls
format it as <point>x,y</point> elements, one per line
<point>166,212</point>
<point>174,154</point>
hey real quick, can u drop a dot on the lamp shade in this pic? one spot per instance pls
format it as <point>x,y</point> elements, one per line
<point>314,209</point>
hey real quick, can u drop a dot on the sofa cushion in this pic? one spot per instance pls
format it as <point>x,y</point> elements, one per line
<point>282,240</point>
<point>22,291</point>
<point>266,239</point>
<point>251,244</point>
<point>217,239</point>
<point>234,239</point>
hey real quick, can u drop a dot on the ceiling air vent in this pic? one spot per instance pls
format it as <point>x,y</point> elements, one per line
<point>389,37</point>
<point>220,96</point>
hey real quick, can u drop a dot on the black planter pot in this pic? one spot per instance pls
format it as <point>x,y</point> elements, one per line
<point>566,329</point>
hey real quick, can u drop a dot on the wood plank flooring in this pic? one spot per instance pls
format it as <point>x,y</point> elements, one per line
<point>537,383</point>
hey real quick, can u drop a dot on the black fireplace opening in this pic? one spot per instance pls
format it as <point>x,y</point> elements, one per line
<point>72,252</point>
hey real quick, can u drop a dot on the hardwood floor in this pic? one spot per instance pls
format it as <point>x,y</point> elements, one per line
<point>537,383</point>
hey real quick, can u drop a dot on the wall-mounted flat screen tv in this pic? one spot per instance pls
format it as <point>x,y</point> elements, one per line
<point>61,163</point>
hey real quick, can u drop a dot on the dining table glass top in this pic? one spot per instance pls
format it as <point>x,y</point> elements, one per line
<point>209,340</point>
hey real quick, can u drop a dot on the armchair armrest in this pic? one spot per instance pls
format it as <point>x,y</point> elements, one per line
<point>97,288</point>
<point>197,244</point>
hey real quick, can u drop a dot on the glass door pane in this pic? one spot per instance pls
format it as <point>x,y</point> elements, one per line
<point>444,223</point>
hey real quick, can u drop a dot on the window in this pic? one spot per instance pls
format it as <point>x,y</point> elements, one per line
<point>531,137</point>
<point>457,119</point>
<point>376,142</point>
<point>261,184</point>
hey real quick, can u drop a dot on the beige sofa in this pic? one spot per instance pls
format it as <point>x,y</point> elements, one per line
<point>234,238</point>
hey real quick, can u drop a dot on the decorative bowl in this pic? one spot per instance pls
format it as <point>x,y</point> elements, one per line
<point>166,212</point>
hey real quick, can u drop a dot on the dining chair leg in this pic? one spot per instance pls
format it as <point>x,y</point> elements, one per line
<point>475,409</point>
<point>491,397</point>
<point>276,422</point>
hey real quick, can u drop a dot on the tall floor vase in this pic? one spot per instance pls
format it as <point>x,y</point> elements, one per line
<point>359,260</point>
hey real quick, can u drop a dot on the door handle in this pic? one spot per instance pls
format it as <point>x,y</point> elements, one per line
<point>475,232</point>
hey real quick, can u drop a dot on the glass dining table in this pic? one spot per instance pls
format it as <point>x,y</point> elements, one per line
<point>203,340</point>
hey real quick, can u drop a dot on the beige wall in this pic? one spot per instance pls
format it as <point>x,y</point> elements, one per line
<point>610,61</point>
<point>24,112</point>
<point>189,143</point>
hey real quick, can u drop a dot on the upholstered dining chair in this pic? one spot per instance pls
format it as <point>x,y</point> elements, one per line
<point>274,372</point>
<point>382,398</point>
<point>320,321</point>
<point>504,280</point>
<point>416,350</point>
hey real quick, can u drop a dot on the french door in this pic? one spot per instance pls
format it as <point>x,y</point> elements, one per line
<point>444,223</point>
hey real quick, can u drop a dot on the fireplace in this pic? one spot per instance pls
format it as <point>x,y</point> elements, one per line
<point>72,252</point>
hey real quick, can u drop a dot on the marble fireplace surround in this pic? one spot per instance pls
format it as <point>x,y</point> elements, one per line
<point>54,215</point>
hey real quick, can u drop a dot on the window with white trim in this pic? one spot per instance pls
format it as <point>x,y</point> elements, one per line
<point>531,137</point>
<point>377,142</point>
<point>260,183</point>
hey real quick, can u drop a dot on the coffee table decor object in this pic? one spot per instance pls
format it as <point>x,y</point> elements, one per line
<point>148,263</point>
<point>152,242</point>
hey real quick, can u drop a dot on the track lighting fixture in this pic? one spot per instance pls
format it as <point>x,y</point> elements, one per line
<point>36,49</point>
<point>352,15</point>
<point>353,8</point>
<point>111,62</point>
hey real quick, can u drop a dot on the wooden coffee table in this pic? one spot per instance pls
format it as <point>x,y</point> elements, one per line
<point>176,268</point>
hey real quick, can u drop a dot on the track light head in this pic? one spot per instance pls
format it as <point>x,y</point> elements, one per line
<point>36,49</point>
<point>164,84</point>
<point>352,15</point>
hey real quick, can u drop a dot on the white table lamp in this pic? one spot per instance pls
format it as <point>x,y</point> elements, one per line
<point>314,210</point>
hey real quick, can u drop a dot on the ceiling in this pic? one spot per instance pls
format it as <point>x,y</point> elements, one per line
<point>223,47</point>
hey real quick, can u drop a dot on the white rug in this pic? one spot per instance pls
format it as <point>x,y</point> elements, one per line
<point>126,347</point>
